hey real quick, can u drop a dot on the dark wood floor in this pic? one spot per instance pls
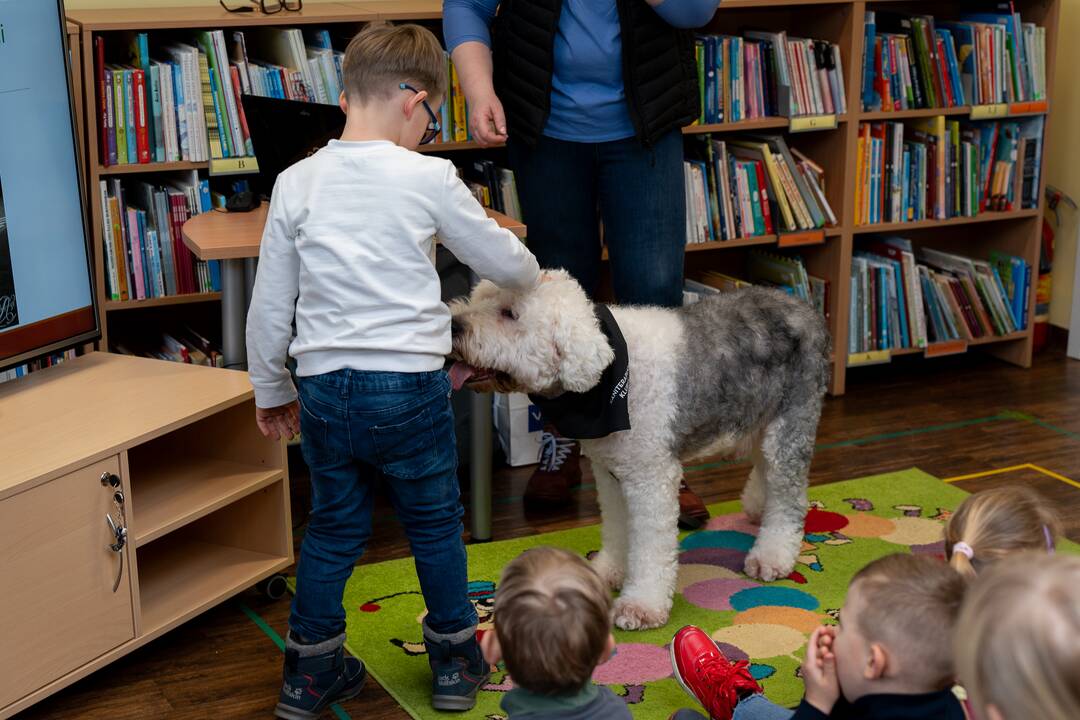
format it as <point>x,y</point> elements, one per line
<point>949,417</point>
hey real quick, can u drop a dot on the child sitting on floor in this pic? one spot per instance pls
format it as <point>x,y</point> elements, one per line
<point>889,657</point>
<point>1017,642</point>
<point>552,628</point>
<point>994,523</point>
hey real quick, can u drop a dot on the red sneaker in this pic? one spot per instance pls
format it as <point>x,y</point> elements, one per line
<point>707,676</point>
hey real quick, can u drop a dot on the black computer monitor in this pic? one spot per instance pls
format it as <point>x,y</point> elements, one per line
<point>285,131</point>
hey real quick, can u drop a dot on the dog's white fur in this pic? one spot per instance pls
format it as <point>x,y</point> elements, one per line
<point>548,341</point>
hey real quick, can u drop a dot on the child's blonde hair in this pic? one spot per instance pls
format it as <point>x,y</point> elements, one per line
<point>553,619</point>
<point>382,56</point>
<point>1017,643</point>
<point>994,523</point>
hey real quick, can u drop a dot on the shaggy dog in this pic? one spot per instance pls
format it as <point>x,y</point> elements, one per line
<point>737,372</point>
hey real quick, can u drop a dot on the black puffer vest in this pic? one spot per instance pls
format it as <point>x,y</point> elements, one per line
<point>659,68</point>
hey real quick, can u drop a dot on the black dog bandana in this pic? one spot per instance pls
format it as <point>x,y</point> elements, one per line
<point>602,410</point>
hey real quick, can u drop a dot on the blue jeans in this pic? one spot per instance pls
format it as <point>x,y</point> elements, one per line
<point>356,426</point>
<point>566,188</point>
<point>754,707</point>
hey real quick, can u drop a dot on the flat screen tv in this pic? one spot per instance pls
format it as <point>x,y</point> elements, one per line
<point>47,300</point>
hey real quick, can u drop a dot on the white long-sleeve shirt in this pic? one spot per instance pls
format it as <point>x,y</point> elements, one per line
<point>347,250</point>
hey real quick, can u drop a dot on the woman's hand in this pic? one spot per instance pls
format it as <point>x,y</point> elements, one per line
<point>487,120</point>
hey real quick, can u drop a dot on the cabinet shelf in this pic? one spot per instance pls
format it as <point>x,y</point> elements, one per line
<point>175,494</point>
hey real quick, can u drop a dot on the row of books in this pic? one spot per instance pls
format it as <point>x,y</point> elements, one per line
<point>182,101</point>
<point>914,61</point>
<point>941,168</point>
<point>181,344</point>
<point>752,186</point>
<point>37,364</point>
<point>145,255</point>
<point>785,272</point>
<point>906,297</point>
<point>765,74</point>
<point>493,186</point>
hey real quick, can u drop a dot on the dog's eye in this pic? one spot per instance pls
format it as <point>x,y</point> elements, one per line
<point>509,313</point>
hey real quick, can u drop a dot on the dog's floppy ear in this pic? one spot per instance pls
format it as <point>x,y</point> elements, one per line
<point>583,349</point>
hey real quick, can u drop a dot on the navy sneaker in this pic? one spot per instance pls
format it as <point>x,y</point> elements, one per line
<point>458,670</point>
<point>316,676</point>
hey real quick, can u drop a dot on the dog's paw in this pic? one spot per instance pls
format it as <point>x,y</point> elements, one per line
<point>632,614</point>
<point>612,573</point>
<point>768,562</point>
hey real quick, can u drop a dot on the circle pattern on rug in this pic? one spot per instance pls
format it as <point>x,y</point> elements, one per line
<point>722,557</point>
<point>728,539</point>
<point>759,671</point>
<point>936,549</point>
<point>732,653</point>
<point>761,641</point>
<point>804,621</point>
<point>868,526</point>
<point>823,521</point>
<point>634,664</point>
<point>716,594</point>
<point>693,574</point>
<point>735,521</point>
<point>915,531</point>
<point>772,596</point>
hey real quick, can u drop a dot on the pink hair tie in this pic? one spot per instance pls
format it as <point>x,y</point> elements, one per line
<point>964,549</point>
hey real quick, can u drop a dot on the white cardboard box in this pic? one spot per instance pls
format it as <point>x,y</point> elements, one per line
<point>517,423</point>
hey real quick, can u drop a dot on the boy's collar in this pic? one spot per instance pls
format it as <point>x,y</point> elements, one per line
<point>520,701</point>
<point>941,704</point>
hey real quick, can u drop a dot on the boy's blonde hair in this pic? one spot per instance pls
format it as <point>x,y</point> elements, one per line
<point>910,604</point>
<point>553,619</point>
<point>1018,639</point>
<point>382,56</point>
<point>997,522</point>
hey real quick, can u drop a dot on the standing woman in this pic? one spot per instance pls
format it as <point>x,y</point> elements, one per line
<point>590,97</point>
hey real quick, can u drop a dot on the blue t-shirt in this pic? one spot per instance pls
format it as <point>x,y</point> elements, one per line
<point>588,102</point>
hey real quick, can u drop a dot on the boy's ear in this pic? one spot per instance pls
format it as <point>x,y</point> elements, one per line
<point>489,645</point>
<point>609,649</point>
<point>877,662</point>
<point>343,103</point>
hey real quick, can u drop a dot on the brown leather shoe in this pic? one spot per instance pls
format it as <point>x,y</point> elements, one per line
<point>692,511</point>
<point>559,470</point>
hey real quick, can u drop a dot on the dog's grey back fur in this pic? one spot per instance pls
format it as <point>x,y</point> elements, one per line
<point>751,356</point>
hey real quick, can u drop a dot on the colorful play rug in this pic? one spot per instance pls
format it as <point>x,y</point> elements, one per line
<point>850,523</point>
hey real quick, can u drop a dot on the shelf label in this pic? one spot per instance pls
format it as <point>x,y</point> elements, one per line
<point>988,112</point>
<point>875,357</point>
<point>808,123</point>
<point>949,347</point>
<point>233,166</point>
<point>1024,108</point>
<point>806,237</point>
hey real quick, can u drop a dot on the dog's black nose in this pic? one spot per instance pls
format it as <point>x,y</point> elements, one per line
<point>456,328</point>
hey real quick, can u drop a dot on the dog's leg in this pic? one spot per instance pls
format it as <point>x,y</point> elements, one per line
<point>787,447</point>
<point>753,494</point>
<point>652,504</point>
<point>610,562</point>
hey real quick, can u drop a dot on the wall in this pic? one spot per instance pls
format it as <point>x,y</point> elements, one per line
<point>1063,155</point>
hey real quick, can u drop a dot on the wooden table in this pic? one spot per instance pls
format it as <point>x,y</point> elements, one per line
<point>234,239</point>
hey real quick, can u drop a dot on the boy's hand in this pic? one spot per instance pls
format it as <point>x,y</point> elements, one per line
<point>279,422</point>
<point>819,671</point>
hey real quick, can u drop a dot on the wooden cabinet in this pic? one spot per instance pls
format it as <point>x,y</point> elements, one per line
<point>206,501</point>
<point>59,608</point>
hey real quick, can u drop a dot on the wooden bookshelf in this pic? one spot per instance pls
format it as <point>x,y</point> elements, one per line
<point>835,148</point>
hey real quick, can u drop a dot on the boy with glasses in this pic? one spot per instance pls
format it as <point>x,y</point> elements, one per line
<point>347,252</point>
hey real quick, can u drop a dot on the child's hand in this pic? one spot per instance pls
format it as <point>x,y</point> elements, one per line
<point>279,422</point>
<point>819,671</point>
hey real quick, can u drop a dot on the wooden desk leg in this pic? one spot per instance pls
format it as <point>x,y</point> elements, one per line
<point>251,266</point>
<point>233,314</point>
<point>480,466</point>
